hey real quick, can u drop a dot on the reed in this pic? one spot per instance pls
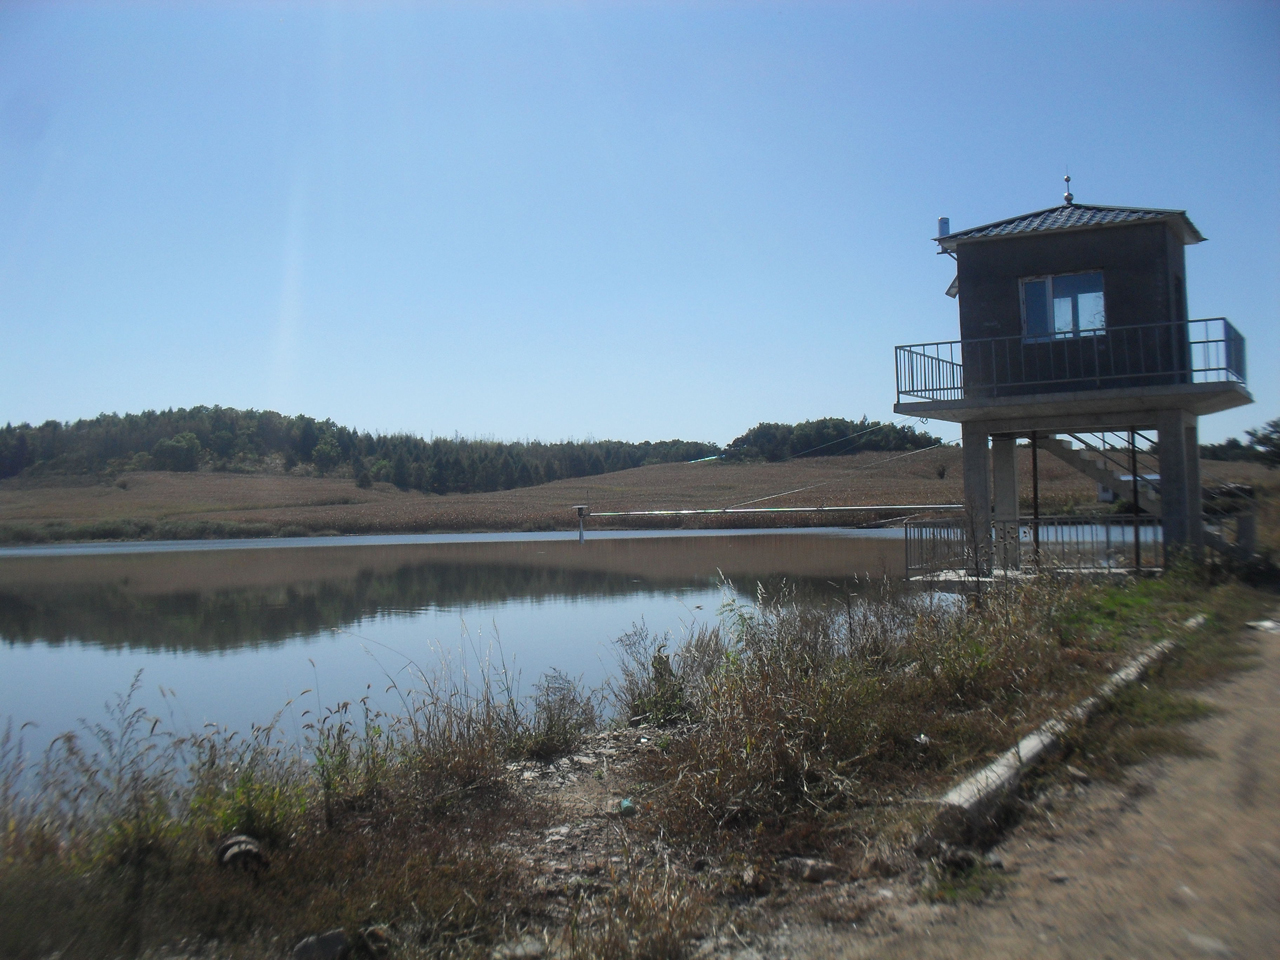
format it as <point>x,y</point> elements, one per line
<point>802,711</point>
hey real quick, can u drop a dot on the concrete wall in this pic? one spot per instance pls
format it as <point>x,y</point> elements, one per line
<point>1176,258</point>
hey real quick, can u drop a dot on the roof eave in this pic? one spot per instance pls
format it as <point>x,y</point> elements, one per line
<point>1187,231</point>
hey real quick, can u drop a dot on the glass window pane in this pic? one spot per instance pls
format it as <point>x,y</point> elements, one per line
<point>1093,315</point>
<point>1035,307</point>
<point>1061,313</point>
<point>1074,284</point>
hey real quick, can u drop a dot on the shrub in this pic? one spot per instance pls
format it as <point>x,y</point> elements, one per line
<point>563,713</point>
<point>182,453</point>
<point>326,455</point>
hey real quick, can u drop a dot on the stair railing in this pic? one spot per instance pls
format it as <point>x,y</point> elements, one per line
<point>1116,457</point>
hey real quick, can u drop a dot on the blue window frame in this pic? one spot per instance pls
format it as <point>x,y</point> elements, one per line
<point>1067,305</point>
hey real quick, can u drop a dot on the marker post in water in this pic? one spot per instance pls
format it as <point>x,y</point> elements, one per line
<point>583,509</point>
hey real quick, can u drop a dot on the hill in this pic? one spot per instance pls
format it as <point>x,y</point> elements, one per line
<point>163,505</point>
<point>226,440</point>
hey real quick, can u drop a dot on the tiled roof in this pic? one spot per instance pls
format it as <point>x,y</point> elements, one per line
<point>1071,216</point>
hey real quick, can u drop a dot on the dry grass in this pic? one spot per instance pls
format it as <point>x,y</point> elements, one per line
<point>220,504</point>
<point>186,506</point>
<point>808,713</point>
<point>109,844</point>
<point>649,914</point>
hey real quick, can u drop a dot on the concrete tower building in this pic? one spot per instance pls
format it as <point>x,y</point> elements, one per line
<point>1073,320</point>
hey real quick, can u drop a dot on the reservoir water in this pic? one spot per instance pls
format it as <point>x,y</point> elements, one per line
<point>234,632</point>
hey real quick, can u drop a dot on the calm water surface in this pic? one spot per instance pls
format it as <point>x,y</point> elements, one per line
<point>238,629</point>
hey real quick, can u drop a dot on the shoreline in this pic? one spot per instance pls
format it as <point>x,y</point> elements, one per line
<point>119,547</point>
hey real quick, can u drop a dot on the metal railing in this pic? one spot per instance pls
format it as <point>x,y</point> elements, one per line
<point>1217,351</point>
<point>1196,351</point>
<point>1081,544</point>
<point>937,546</point>
<point>930,371</point>
<point>1110,449</point>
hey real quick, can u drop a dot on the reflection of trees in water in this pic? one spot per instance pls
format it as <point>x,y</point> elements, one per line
<point>110,617</point>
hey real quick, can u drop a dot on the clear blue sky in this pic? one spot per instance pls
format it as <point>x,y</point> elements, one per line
<point>636,221</point>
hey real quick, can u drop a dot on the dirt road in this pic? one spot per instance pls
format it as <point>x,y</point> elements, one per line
<point>1183,861</point>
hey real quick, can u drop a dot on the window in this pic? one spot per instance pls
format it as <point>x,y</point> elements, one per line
<point>1067,306</point>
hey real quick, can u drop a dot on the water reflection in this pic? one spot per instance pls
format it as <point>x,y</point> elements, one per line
<point>113,616</point>
<point>236,633</point>
<point>205,601</point>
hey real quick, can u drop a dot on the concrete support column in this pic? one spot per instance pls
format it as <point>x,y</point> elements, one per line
<point>977,494</point>
<point>1180,506</point>
<point>1195,493</point>
<point>1004,482</point>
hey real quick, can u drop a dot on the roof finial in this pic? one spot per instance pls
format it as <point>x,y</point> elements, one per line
<point>1067,197</point>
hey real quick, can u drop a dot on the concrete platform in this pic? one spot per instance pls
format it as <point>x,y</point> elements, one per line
<point>1066,411</point>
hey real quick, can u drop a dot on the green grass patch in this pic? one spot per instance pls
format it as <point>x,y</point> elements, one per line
<point>1205,612</point>
<point>972,884</point>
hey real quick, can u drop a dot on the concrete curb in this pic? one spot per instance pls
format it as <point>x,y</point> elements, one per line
<point>973,805</point>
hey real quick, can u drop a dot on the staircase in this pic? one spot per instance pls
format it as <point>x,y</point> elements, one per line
<point>1110,467</point>
<point>1100,467</point>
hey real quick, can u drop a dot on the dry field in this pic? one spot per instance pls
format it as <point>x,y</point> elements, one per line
<point>224,504</point>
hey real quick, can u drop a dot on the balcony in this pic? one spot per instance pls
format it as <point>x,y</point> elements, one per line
<point>1173,356</point>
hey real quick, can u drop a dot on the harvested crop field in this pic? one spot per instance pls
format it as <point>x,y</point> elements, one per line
<point>205,504</point>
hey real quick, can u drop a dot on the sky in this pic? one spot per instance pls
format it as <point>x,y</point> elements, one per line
<point>574,220</point>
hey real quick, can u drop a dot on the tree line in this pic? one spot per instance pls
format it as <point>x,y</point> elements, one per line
<point>1263,446</point>
<point>224,438</point>
<point>828,437</point>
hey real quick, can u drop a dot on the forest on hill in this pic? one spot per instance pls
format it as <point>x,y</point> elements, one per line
<point>253,441</point>
<point>1262,446</point>
<point>828,437</point>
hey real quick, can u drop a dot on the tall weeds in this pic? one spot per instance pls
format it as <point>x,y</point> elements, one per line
<point>804,711</point>
<point>648,914</point>
<point>108,844</point>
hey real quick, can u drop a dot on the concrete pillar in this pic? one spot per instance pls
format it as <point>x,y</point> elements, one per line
<point>1180,506</point>
<point>1247,533</point>
<point>977,494</point>
<point>1195,493</point>
<point>1004,482</point>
